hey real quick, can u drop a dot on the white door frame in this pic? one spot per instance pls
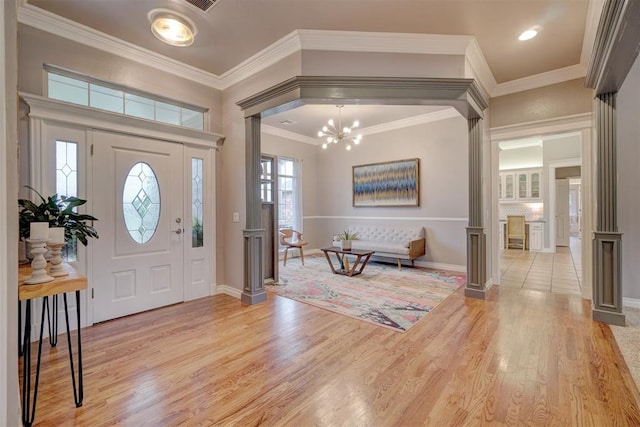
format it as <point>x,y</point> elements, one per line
<point>582,123</point>
<point>552,196</point>
<point>44,111</point>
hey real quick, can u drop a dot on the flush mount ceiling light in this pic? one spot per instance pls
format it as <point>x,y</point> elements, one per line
<point>335,134</point>
<point>172,28</point>
<point>528,34</point>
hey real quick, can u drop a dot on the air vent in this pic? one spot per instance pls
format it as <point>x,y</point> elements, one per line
<point>203,5</point>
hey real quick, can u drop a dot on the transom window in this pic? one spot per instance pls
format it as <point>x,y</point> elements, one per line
<point>76,88</point>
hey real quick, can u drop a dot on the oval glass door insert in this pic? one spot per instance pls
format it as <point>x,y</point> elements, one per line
<point>141,202</point>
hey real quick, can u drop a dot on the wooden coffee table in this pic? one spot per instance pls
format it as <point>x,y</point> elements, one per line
<point>362,258</point>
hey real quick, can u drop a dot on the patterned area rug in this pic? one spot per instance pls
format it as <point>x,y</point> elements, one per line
<point>381,294</point>
<point>628,339</point>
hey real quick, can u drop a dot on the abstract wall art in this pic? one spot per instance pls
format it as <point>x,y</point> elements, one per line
<point>387,184</point>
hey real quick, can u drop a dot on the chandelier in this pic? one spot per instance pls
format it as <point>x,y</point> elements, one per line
<point>335,134</point>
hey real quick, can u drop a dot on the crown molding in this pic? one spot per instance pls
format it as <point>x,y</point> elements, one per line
<point>590,30</point>
<point>297,40</point>
<point>480,68</point>
<point>271,130</point>
<point>59,26</point>
<point>435,116</point>
<point>616,46</point>
<point>268,56</point>
<point>547,78</point>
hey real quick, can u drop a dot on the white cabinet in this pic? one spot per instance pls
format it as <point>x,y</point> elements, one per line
<point>521,185</point>
<point>536,236</point>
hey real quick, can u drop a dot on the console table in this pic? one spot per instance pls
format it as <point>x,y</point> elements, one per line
<point>74,282</point>
<point>340,255</point>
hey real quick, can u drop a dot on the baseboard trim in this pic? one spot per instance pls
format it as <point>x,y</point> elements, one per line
<point>426,264</point>
<point>442,266</point>
<point>631,302</point>
<point>228,290</point>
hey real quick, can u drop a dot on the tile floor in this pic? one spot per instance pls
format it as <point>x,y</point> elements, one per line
<point>557,273</point>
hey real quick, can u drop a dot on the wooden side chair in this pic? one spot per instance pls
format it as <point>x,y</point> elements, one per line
<point>291,239</point>
<point>516,231</point>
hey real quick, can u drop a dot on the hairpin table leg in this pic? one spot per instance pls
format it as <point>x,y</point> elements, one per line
<point>29,408</point>
<point>78,391</point>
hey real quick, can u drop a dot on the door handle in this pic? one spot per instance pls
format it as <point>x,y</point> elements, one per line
<point>178,231</point>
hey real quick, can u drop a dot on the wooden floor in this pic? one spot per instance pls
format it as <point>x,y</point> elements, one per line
<point>522,357</point>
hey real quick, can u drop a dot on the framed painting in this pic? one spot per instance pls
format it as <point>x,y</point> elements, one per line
<point>387,184</point>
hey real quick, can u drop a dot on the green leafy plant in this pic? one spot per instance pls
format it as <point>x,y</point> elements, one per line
<point>197,235</point>
<point>346,235</point>
<point>58,211</point>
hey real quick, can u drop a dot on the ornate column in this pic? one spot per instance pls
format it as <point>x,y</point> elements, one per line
<point>607,241</point>
<point>253,290</point>
<point>476,239</point>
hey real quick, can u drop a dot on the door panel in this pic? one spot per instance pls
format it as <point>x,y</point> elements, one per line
<point>562,212</point>
<point>136,267</point>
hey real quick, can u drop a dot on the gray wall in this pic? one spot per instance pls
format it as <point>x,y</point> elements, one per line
<point>628,179</point>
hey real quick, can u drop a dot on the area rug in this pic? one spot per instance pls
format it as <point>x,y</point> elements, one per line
<point>382,294</point>
<point>628,340</point>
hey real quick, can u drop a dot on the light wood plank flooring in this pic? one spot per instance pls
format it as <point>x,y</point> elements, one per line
<point>558,272</point>
<point>521,357</point>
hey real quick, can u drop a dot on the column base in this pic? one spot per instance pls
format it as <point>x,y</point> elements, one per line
<point>475,293</point>
<point>476,263</point>
<point>609,317</point>
<point>251,299</point>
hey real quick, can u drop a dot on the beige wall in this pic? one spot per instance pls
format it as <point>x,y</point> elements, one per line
<point>231,183</point>
<point>442,148</point>
<point>9,393</point>
<point>37,48</point>
<point>327,182</point>
<point>307,153</point>
<point>374,64</point>
<point>559,100</point>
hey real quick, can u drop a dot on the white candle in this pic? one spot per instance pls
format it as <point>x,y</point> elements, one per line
<point>39,231</point>
<point>56,235</point>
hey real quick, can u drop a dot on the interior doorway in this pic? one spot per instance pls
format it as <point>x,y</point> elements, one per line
<point>559,159</point>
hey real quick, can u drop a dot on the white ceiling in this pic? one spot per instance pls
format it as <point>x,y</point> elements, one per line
<point>234,30</point>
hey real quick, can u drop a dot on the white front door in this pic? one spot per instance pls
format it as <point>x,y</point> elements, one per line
<point>562,212</point>
<point>138,197</point>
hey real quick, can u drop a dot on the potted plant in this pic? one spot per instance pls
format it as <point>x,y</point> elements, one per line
<point>345,239</point>
<point>58,211</point>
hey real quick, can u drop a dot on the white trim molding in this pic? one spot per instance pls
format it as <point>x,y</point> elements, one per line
<point>271,130</point>
<point>476,65</point>
<point>435,116</point>
<point>631,302</point>
<point>63,27</point>
<point>388,218</point>
<point>227,290</point>
<point>49,109</point>
<point>566,124</point>
<point>547,78</point>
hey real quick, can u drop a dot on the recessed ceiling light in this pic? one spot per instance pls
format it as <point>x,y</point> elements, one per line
<point>527,35</point>
<point>288,122</point>
<point>172,28</point>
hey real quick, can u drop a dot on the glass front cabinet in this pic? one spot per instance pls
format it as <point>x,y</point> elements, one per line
<point>521,185</point>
